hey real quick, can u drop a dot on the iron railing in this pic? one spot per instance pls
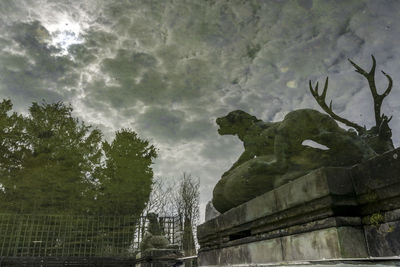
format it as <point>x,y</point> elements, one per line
<point>31,235</point>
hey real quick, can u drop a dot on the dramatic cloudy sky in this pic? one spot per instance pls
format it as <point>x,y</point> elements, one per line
<point>168,68</point>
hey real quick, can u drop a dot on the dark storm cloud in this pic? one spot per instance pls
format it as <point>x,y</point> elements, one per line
<point>170,126</point>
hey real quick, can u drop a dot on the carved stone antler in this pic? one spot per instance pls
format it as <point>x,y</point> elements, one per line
<point>378,99</point>
<point>379,136</point>
<point>321,101</point>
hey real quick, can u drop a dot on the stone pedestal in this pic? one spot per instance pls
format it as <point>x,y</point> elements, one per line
<point>329,214</point>
<point>158,258</point>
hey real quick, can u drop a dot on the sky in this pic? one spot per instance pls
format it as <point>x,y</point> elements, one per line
<point>167,69</point>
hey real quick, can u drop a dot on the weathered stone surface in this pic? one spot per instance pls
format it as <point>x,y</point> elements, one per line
<point>234,255</point>
<point>211,212</point>
<point>158,258</point>
<point>209,258</point>
<point>383,239</point>
<point>330,243</point>
<point>260,206</point>
<point>317,184</point>
<point>379,172</point>
<point>266,251</point>
<point>311,197</point>
<point>330,213</point>
<point>252,253</point>
<point>377,183</point>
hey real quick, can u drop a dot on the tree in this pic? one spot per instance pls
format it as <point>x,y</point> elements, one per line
<point>13,142</point>
<point>187,201</point>
<point>61,152</point>
<point>161,200</point>
<point>53,163</point>
<point>178,198</point>
<point>127,177</point>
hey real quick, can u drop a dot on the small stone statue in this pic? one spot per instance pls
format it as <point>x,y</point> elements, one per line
<point>153,238</point>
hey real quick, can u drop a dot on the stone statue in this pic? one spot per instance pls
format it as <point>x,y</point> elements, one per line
<point>153,239</point>
<point>274,152</point>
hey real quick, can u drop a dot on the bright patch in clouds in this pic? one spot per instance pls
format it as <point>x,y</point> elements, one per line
<point>64,33</point>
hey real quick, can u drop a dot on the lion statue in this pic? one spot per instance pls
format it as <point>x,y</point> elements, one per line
<point>153,238</point>
<point>275,153</point>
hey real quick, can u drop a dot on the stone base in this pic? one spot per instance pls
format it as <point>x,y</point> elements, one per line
<point>329,243</point>
<point>328,214</point>
<point>158,258</point>
<point>327,263</point>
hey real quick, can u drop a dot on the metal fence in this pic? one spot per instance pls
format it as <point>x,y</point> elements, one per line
<point>29,235</point>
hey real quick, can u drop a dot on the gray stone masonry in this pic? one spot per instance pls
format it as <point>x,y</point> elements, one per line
<point>328,214</point>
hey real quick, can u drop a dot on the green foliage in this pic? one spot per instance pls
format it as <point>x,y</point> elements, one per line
<point>127,177</point>
<point>63,153</point>
<point>13,140</point>
<point>52,163</point>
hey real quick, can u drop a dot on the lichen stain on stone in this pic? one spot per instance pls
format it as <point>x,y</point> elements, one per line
<point>376,219</point>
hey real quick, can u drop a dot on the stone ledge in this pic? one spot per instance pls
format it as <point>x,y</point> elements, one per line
<point>312,197</point>
<point>292,230</point>
<point>328,243</point>
<point>372,261</point>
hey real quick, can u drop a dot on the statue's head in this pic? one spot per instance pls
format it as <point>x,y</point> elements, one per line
<point>152,216</point>
<point>235,122</point>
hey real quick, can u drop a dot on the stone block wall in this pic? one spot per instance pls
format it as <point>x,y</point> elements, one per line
<point>330,213</point>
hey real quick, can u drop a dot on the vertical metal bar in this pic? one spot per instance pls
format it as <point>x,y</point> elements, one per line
<point>35,229</point>
<point>40,222</point>
<point>104,238</point>
<point>123,229</point>
<point>91,236</point>
<point>136,233</point>
<point>97,236</point>
<point>10,236</point>
<point>75,234</point>
<point>86,231</point>
<point>172,229</point>
<point>82,235</point>
<point>113,236</point>
<point>110,233</point>
<point>25,241</point>
<point>54,236</point>
<point>62,222</point>
<point>65,222</point>
<point>121,243</point>
<point>30,224</point>
<point>17,234</point>
<point>4,228</point>
<point>78,238</point>
<point>40,226</point>
<point>72,236</point>
<point>60,239</point>
<point>47,243</point>
<point>50,238</point>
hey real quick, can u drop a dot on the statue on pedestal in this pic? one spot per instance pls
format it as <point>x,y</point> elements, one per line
<point>153,238</point>
<point>275,152</point>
